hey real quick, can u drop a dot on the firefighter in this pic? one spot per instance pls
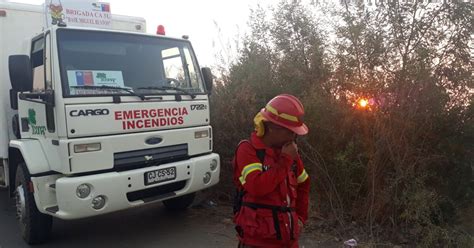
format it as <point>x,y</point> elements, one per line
<point>271,202</point>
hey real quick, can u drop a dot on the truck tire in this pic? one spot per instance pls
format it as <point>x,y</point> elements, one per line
<point>35,226</point>
<point>180,203</point>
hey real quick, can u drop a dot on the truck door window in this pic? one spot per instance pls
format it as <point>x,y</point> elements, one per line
<point>47,61</point>
<point>47,72</point>
<point>173,64</point>
<point>37,65</point>
<point>178,64</point>
<point>195,79</point>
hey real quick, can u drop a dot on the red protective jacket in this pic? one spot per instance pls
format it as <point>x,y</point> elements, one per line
<point>281,182</point>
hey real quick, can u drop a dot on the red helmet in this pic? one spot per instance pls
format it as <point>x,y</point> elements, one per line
<point>286,111</point>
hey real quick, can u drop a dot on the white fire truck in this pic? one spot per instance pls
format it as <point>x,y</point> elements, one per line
<point>94,121</point>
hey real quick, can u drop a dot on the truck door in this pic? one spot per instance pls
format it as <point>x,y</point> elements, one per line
<point>37,108</point>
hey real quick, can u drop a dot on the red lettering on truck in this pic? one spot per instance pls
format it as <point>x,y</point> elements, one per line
<point>151,118</point>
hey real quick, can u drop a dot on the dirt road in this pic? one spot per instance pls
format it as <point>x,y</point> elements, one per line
<point>149,226</point>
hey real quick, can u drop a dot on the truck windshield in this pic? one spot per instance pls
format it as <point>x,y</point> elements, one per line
<point>146,65</point>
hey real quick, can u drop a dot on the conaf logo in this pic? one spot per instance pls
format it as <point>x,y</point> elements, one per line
<point>103,78</point>
<point>198,107</point>
<point>32,116</point>
<point>88,112</point>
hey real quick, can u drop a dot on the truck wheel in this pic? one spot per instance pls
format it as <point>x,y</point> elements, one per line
<point>179,203</point>
<point>35,226</point>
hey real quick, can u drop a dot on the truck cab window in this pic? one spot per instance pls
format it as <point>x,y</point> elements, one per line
<point>195,79</point>
<point>178,64</point>
<point>37,65</point>
<point>173,64</point>
<point>47,56</point>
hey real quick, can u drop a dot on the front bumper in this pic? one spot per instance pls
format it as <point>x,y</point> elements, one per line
<point>122,190</point>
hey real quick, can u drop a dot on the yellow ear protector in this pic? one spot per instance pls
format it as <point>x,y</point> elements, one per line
<point>258,123</point>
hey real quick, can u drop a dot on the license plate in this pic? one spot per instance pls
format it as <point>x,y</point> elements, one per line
<point>161,175</point>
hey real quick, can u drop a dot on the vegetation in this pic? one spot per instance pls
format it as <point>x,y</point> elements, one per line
<point>401,164</point>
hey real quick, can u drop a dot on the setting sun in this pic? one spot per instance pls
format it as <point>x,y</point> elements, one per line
<point>363,103</point>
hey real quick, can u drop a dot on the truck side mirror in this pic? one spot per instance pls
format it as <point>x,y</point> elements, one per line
<point>208,79</point>
<point>20,73</point>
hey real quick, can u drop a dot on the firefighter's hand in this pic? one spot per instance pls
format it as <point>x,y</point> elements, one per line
<point>291,149</point>
<point>300,224</point>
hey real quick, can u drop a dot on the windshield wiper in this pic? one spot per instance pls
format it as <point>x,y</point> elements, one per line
<point>168,88</point>
<point>110,88</point>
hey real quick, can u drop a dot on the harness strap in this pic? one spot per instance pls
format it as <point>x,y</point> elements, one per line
<point>265,206</point>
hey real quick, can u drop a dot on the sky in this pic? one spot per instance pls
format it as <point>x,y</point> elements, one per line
<point>197,19</point>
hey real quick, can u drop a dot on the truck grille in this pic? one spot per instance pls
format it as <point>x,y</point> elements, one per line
<point>150,157</point>
<point>156,193</point>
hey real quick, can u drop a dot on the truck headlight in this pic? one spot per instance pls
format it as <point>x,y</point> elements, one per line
<point>98,202</point>
<point>213,165</point>
<point>207,178</point>
<point>83,191</point>
<point>201,134</point>
<point>91,147</point>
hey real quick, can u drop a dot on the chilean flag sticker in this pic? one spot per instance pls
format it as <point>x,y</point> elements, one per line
<point>105,7</point>
<point>84,78</point>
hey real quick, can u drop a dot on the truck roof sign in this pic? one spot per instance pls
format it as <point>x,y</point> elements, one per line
<point>79,13</point>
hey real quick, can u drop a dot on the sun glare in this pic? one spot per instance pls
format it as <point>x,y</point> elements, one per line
<point>363,103</point>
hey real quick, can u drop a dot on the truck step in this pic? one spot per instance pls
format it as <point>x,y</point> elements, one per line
<point>53,209</point>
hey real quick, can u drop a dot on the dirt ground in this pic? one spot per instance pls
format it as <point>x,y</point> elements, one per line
<point>206,224</point>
